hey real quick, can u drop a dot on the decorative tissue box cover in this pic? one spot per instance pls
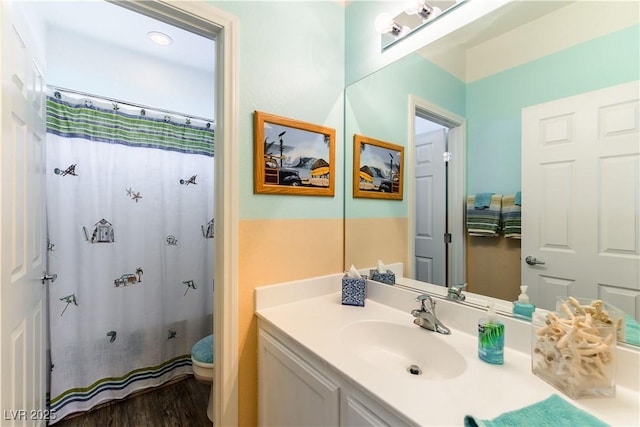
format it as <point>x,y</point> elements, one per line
<point>389,277</point>
<point>575,355</point>
<point>354,290</point>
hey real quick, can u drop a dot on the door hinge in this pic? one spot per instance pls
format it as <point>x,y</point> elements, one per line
<point>446,156</point>
<point>447,237</point>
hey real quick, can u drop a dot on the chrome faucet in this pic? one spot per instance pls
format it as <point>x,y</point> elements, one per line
<point>454,292</point>
<point>425,316</point>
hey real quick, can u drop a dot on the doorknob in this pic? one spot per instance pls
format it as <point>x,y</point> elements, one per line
<point>46,277</point>
<point>531,260</point>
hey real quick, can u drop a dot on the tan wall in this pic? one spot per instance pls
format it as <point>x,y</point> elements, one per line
<point>368,240</point>
<point>274,251</point>
<point>493,267</point>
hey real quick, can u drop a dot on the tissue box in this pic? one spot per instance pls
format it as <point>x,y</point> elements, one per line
<point>575,356</point>
<point>389,277</point>
<point>354,290</point>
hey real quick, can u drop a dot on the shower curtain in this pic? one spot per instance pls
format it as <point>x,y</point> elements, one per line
<point>130,217</point>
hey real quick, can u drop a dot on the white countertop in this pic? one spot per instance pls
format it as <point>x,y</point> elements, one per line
<point>315,320</point>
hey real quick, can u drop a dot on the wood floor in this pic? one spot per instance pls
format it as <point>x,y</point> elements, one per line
<point>182,403</point>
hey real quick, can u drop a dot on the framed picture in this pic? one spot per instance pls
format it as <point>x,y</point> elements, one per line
<point>293,157</point>
<point>377,169</point>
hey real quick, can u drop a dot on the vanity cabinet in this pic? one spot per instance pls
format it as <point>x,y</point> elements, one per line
<point>292,392</point>
<point>295,388</point>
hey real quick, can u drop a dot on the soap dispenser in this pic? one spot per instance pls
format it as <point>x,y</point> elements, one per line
<point>523,307</point>
<point>491,338</point>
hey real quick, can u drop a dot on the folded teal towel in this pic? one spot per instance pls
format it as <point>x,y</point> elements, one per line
<point>553,411</point>
<point>631,330</point>
<point>519,198</point>
<point>482,200</point>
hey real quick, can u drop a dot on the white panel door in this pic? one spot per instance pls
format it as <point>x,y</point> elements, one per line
<point>22,227</point>
<point>431,209</point>
<point>581,198</point>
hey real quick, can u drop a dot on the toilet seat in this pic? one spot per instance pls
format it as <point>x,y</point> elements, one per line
<point>202,364</point>
<point>202,359</point>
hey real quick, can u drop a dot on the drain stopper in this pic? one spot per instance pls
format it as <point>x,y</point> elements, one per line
<point>414,370</point>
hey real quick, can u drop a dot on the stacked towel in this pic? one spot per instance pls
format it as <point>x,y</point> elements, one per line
<point>511,217</point>
<point>484,222</point>
<point>482,200</point>
<point>553,411</point>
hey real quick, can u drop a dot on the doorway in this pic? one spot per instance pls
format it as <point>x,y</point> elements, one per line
<point>205,20</point>
<point>436,206</point>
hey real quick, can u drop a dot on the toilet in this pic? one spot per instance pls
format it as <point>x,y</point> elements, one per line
<point>202,363</point>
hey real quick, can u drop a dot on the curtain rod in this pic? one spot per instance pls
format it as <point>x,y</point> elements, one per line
<point>132,104</point>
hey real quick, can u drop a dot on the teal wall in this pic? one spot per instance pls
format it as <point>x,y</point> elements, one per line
<point>291,63</point>
<point>494,103</point>
<point>362,41</point>
<point>378,107</point>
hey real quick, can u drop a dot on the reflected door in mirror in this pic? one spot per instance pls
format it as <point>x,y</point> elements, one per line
<point>580,165</point>
<point>431,210</point>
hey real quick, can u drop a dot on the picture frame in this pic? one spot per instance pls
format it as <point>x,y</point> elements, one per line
<point>378,169</point>
<point>293,157</point>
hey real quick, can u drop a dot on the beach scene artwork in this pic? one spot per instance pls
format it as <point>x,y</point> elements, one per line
<point>292,157</point>
<point>295,157</point>
<point>377,169</point>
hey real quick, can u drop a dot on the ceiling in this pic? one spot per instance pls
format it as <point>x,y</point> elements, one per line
<point>116,25</point>
<point>508,17</point>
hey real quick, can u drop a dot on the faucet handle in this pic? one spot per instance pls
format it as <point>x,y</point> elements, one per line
<point>426,297</point>
<point>455,292</point>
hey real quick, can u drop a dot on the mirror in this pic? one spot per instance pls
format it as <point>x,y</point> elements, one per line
<point>523,54</point>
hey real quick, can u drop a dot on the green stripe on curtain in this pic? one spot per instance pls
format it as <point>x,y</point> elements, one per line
<point>114,127</point>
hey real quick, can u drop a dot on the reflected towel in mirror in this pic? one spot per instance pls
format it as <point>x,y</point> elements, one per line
<point>484,222</point>
<point>511,217</point>
<point>482,200</point>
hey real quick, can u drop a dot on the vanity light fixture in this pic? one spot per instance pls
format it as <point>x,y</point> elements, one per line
<point>415,16</point>
<point>159,38</point>
<point>386,25</point>
<point>425,10</point>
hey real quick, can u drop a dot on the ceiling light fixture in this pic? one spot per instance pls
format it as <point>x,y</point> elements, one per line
<point>160,38</point>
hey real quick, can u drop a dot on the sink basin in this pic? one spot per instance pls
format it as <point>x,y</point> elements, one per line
<point>407,349</point>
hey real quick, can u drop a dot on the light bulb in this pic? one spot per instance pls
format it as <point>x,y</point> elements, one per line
<point>384,23</point>
<point>414,7</point>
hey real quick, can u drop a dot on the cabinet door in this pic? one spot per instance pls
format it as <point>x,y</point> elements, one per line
<point>357,414</point>
<point>358,409</point>
<point>291,391</point>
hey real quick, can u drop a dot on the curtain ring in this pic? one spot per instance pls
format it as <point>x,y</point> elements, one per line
<point>57,95</point>
<point>188,120</point>
<point>167,119</point>
<point>208,125</point>
<point>143,112</point>
<point>87,103</point>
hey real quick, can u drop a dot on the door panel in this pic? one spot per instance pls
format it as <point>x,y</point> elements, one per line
<point>22,226</point>
<point>581,197</point>
<point>431,209</point>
